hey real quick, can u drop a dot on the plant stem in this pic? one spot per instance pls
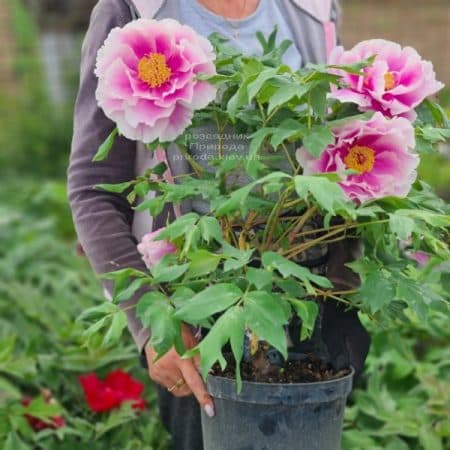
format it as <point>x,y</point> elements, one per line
<point>268,232</point>
<point>198,169</point>
<point>288,156</point>
<point>306,245</point>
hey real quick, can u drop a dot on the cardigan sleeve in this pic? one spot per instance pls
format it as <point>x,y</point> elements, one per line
<point>102,219</point>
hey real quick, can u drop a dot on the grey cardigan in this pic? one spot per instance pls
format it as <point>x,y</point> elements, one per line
<point>103,221</point>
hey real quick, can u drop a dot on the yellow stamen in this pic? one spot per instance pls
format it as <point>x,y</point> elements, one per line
<point>389,81</point>
<point>153,70</point>
<point>361,159</point>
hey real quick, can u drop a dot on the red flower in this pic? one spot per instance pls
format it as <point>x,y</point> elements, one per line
<point>39,424</point>
<point>117,388</point>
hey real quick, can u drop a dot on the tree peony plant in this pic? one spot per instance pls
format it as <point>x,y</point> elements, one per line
<point>263,250</point>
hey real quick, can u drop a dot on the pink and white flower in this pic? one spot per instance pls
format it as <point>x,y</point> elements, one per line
<point>397,81</point>
<point>379,150</point>
<point>420,257</point>
<point>147,78</point>
<point>152,250</point>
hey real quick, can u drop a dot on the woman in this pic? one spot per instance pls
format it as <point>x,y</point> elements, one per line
<point>106,226</point>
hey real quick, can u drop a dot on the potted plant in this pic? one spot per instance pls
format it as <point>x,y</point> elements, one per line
<point>330,164</point>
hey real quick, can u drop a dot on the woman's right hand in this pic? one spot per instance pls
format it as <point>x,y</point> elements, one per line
<point>171,370</point>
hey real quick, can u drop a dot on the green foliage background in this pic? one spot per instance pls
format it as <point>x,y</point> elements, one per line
<point>402,402</point>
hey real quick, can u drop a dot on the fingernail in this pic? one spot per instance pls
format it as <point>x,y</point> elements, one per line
<point>209,410</point>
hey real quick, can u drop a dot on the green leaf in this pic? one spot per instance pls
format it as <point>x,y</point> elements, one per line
<point>235,201</point>
<point>307,311</point>
<point>376,291</point>
<point>256,143</point>
<point>434,135</point>
<point>134,286</point>
<point>288,129</point>
<point>266,316</point>
<point>287,268</point>
<point>165,273</point>
<point>433,219</point>
<point>202,263</point>
<point>105,148</point>
<point>116,328</point>
<point>116,188</point>
<point>98,312</point>
<point>39,408</point>
<point>13,442</point>
<point>328,194</point>
<point>286,93</point>
<point>8,389</point>
<point>319,99</point>
<point>229,326</point>
<point>319,138</point>
<point>211,300</point>
<point>179,227</point>
<point>210,229</point>
<point>255,86</point>
<point>157,314</point>
<point>429,439</point>
<point>402,226</point>
<point>414,295</point>
<point>291,287</point>
<point>122,278</point>
<point>260,278</point>
<point>240,98</point>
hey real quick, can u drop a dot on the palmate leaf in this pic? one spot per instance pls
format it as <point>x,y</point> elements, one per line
<point>255,86</point>
<point>288,91</point>
<point>235,258</point>
<point>156,312</point>
<point>376,291</point>
<point>202,262</point>
<point>229,327</point>
<point>14,442</point>
<point>210,301</point>
<point>317,140</point>
<point>402,226</point>
<point>266,314</point>
<point>237,199</point>
<point>431,218</point>
<point>307,311</point>
<point>287,268</point>
<point>328,194</point>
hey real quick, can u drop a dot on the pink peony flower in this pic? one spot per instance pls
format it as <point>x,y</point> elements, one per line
<point>397,81</point>
<point>420,257</point>
<point>147,78</point>
<point>379,150</point>
<point>153,251</point>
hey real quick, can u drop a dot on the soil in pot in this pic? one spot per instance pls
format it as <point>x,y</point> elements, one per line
<point>306,370</point>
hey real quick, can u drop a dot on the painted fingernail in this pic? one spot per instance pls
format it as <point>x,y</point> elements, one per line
<point>209,410</point>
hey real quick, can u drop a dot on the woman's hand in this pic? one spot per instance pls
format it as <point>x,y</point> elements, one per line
<point>180,376</point>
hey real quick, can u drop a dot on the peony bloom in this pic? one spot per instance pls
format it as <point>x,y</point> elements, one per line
<point>147,78</point>
<point>397,81</point>
<point>153,251</point>
<point>420,257</point>
<point>39,424</point>
<point>117,388</point>
<point>379,150</point>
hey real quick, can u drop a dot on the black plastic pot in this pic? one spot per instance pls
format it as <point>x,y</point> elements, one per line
<point>265,416</point>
